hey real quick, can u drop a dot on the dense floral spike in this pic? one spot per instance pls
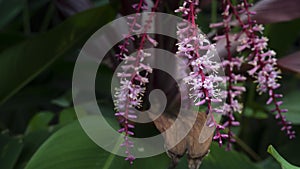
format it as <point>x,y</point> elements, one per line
<point>129,94</point>
<point>199,53</point>
<point>231,63</point>
<point>264,64</point>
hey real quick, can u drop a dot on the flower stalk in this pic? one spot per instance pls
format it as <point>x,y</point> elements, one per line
<point>264,66</point>
<point>199,52</point>
<point>132,83</point>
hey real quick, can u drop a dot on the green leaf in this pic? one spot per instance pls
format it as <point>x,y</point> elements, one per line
<point>284,164</point>
<point>10,149</point>
<point>23,62</point>
<point>221,159</point>
<point>66,116</point>
<point>63,101</point>
<point>9,39</point>
<point>269,163</point>
<point>71,148</point>
<point>218,158</point>
<point>40,121</point>
<point>31,142</point>
<point>9,10</point>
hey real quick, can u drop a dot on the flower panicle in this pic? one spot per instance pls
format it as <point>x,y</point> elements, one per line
<point>129,95</point>
<point>232,64</point>
<point>199,53</point>
<point>234,91</point>
<point>264,65</point>
<point>262,59</point>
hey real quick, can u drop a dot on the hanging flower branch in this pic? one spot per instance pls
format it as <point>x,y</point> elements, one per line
<point>204,87</point>
<point>230,63</point>
<point>132,83</point>
<point>264,66</point>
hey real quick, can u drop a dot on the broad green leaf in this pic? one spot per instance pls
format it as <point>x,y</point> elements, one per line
<point>31,142</point>
<point>23,62</point>
<point>218,158</point>
<point>10,39</point>
<point>9,10</point>
<point>269,163</point>
<point>66,116</point>
<point>18,111</point>
<point>71,148</point>
<point>284,164</point>
<point>10,150</point>
<point>40,121</point>
<point>221,159</point>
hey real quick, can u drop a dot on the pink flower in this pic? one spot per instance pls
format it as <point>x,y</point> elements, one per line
<point>129,94</point>
<point>203,80</point>
<point>264,64</point>
<point>231,63</point>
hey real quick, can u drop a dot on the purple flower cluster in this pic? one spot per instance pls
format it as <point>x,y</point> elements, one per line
<point>129,95</point>
<point>234,91</point>
<point>194,47</point>
<point>132,82</point>
<point>264,64</point>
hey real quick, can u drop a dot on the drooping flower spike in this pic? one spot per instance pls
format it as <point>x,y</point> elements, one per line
<point>232,63</point>
<point>264,66</point>
<point>132,82</point>
<point>194,47</point>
